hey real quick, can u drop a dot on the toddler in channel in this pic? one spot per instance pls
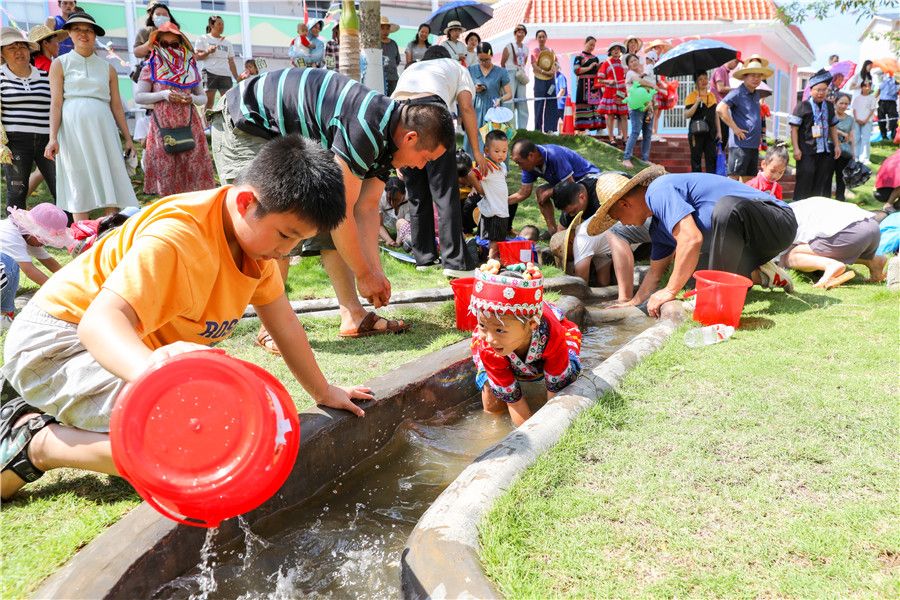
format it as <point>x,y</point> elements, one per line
<point>519,337</point>
<point>494,206</point>
<point>773,167</point>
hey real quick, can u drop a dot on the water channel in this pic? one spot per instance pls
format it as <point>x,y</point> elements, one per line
<point>346,542</point>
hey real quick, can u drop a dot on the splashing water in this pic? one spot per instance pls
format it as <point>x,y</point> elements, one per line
<point>206,580</point>
<point>253,544</point>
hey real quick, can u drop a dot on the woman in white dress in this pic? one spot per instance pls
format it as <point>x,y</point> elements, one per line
<point>85,109</point>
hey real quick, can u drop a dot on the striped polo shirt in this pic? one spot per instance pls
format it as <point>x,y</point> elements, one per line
<point>25,102</point>
<point>348,118</point>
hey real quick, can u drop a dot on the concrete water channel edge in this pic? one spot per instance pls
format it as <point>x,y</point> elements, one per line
<point>144,549</point>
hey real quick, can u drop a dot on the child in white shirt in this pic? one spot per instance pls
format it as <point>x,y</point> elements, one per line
<point>494,206</point>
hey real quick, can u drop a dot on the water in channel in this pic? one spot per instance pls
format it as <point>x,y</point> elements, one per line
<point>346,542</point>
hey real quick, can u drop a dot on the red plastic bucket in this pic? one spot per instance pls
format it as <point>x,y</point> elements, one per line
<point>720,297</point>
<point>515,252</point>
<point>462,295</point>
<point>204,437</point>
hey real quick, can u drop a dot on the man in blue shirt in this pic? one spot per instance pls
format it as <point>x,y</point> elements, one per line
<point>887,106</point>
<point>740,111</point>
<point>554,164</point>
<point>66,8</point>
<point>705,220</point>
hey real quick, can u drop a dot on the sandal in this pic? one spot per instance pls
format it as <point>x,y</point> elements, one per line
<point>367,327</point>
<point>14,440</point>
<point>265,341</point>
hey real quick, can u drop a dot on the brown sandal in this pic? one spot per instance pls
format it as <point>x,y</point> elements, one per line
<point>264,340</point>
<point>367,327</point>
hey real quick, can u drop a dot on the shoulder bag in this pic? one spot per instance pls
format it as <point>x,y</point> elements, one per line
<point>521,74</point>
<point>177,139</point>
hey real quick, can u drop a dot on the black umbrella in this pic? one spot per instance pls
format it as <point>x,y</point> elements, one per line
<point>694,56</point>
<point>469,13</point>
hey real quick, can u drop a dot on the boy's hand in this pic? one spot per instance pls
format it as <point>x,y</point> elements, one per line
<point>166,352</point>
<point>339,397</point>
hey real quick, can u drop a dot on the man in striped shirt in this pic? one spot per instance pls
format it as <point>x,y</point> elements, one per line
<point>368,133</point>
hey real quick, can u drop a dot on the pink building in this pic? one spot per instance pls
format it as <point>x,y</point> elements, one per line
<point>750,26</point>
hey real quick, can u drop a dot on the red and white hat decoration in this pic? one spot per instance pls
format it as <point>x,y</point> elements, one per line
<point>502,294</point>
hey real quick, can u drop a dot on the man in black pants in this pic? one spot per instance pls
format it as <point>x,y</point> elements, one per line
<point>706,221</point>
<point>438,78</point>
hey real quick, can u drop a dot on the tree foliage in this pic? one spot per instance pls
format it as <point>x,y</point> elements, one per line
<point>798,11</point>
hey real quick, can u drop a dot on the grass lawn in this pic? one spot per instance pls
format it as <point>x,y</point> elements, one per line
<point>765,466</point>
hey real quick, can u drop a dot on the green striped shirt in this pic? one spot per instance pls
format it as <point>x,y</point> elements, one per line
<point>349,119</point>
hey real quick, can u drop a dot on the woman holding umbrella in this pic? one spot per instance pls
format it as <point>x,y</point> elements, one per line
<point>586,65</point>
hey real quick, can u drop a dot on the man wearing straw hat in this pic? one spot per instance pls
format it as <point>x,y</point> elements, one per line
<point>740,111</point>
<point>704,220</point>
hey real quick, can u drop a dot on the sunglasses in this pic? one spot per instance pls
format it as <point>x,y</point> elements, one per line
<point>169,44</point>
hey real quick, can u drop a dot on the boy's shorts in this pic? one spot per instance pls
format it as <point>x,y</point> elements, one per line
<point>47,364</point>
<point>493,228</point>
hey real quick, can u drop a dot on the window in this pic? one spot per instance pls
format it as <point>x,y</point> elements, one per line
<point>218,5</point>
<point>25,13</point>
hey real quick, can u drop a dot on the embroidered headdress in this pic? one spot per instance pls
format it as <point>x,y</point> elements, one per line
<point>517,291</point>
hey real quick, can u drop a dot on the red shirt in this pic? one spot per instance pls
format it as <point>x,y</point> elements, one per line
<point>42,63</point>
<point>553,353</point>
<point>761,183</point>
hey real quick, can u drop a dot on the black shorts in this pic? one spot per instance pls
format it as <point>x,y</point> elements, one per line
<point>220,83</point>
<point>743,161</point>
<point>493,229</point>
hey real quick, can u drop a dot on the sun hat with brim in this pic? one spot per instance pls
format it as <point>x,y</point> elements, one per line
<point>313,22</point>
<point>83,17</point>
<point>571,231</point>
<point>39,33</point>
<point>453,25</point>
<point>612,187</point>
<point>546,59</point>
<point>393,26</point>
<point>659,43</point>
<point>763,90</point>
<point>753,67</point>
<point>616,45</point>
<point>170,27</point>
<point>635,38</point>
<point>46,222</point>
<point>11,35</point>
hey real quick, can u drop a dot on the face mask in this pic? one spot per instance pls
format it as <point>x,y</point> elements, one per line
<point>160,20</point>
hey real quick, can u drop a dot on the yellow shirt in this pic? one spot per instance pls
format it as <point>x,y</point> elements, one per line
<point>691,99</point>
<point>172,264</point>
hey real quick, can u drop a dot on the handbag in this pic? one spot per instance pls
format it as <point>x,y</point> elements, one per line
<point>521,74</point>
<point>699,127</point>
<point>721,163</point>
<point>177,139</point>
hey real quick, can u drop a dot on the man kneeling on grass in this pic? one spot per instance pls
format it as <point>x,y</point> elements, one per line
<point>705,221</point>
<point>176,278</point>
<point>519,338</point>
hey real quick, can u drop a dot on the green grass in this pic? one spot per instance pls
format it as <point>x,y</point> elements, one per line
<point>49,520</point>
<point>765,466</point>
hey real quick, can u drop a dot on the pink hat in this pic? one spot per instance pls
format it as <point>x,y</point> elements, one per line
<point>46,222</point>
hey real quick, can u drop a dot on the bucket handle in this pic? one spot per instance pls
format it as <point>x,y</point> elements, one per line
<point>690,294</point>
<point>184,520</point>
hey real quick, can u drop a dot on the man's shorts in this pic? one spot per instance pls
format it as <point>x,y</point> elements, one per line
<point>743,162</point>
<point>47,364</point>
<point>219,83</point>
<point>859,240</point>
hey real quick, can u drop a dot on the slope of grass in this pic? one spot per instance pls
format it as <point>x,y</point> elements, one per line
<point>765,466</point>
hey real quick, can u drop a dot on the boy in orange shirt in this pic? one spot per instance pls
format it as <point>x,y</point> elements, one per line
<point>173,279</point>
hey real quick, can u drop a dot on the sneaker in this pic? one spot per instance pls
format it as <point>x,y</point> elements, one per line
<point>772,276</point>
<point>457,274</point>
<point>661,139</point>
<point>428,266</point>
<point>655,138</point>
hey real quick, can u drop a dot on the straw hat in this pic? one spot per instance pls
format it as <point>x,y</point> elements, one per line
<point>385,21</point>
<point>170,27</point>
<point>11,35</point>
<point>46,222</point>
<point>561,242</point>
<point>658,42</point>
<point>545,60</point>
<point>611,187</point>
<point>83,17</point>
<point>637,39</point>
<point>41,32</point>
<point>753,65</point>
<point>453,25</point>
